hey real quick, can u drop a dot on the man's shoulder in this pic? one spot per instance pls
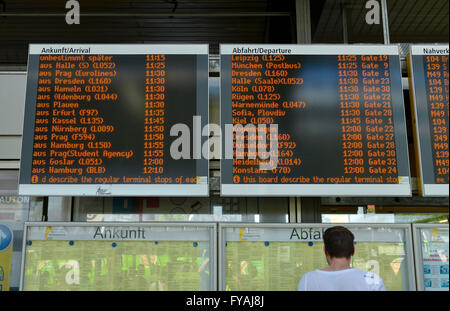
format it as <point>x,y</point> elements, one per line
<point>311,273</point>
<point>307,279</point>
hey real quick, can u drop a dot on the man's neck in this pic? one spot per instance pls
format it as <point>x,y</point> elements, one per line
<point>336,264</point>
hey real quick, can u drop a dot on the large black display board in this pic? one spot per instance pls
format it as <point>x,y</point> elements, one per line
<point>98,120</point>
<point>428,74</point>
<point>340,116</point>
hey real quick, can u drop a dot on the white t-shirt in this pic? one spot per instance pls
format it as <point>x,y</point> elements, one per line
<point>342,280</point>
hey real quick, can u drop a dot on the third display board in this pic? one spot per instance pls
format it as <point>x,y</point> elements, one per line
<point>255,257</point>
<point>428,74</point>
<point>333,115</point>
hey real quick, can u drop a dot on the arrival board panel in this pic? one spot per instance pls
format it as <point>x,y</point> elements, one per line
<point>428,74</point>
<point>339,114</point>
<point>133,257</point>
<point>98,120</point>
<point>97,266</point>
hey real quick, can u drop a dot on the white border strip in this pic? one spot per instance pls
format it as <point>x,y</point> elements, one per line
<point>316,190</point>
<point>114,190</point>
<point>439,49</point>
<point>124,49</point>
<point>314,49</point>
<point>433,190</point>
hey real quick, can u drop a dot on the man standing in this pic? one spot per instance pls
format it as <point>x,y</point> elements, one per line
<point>339,276</point>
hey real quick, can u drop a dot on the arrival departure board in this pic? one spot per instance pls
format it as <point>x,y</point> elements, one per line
<point>428,74</point>
<point>316,120</point>
<point>105,119</point>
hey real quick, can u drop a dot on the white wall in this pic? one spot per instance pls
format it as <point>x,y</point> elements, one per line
<point>12,106</point>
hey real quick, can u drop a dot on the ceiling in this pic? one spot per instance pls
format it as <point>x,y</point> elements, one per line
<point>419,20</point>
<point>215,21</point>
<point>409,21</point>
<point>141,21</point>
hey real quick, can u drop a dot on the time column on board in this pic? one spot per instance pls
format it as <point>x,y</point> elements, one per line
<point>154,113</point>
<point>350,114</point>
<point>436,70</point>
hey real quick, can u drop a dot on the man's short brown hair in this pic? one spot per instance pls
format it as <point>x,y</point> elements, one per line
<point>338,242</point>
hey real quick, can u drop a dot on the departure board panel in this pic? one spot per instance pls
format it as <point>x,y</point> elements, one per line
<point>428,74</point>
<point>316,120</point>
<point>106,119</point>
<point>256,257</point>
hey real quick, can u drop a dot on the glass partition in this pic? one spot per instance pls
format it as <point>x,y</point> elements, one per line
<point>431,255</point>
<point>114,256</point>
<point>274,257</point>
